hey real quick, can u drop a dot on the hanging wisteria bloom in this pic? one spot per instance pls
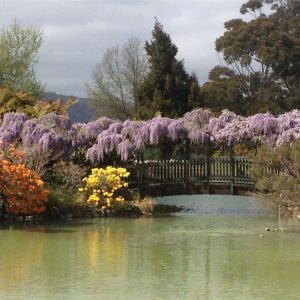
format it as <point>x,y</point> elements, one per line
<point>32,137</point>
<point>198,136</point>
<point>56,135</point>
<point>9,119</point>
<point>28,127</point>
<point>108,142</point>
<point>114,128</point>
<point>11,127</point>
<point>176,130</point>
<point>60,123</point>
<point>125,149</point>
<point>215,124</point>
<point>142,138</point>
<point>263,124</point>
<point>95,154</point>
<point>233,132</point>
<point>158,129</point>
<point>131,129</point>
<point>6,138</point>
<point>289,120</point>
<point>197,118</point>
<point>53,144</point>
<point>93,129</point>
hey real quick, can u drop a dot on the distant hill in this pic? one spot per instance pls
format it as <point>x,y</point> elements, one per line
<point>79,112</point>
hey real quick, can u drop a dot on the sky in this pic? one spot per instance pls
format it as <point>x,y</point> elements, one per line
<point>77,33</point>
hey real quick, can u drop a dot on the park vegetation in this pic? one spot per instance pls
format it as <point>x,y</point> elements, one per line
<point>150,104</point>
<point>277,173</point>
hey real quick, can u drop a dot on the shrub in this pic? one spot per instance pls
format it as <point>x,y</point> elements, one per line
<point>146,205</point>
<point>68,176</point>
<point>101,185</point>
<point>22,190</point>
<point>126,209</point>
<point>22,101</point>
<point>277,175</point>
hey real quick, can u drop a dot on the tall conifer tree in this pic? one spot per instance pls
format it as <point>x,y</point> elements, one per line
<point>167,86</point>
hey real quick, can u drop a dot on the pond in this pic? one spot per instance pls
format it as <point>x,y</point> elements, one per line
<point>216,250</point>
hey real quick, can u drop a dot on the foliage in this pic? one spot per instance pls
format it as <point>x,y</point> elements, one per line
<point>101,185</point>
<point>22,190</point>
<point>68,176</point>
<point>15,101</point>
<point>277,174</point>
<point>167,88</point>
<point>60,203</point>
<point>126,209</point>
<point>18,55</point>
<point>44,106</point>
<point>263,55</point>
<point>223,90</point>
<point>23,102</point>
<point>116,78</point>
<point>146,205</point>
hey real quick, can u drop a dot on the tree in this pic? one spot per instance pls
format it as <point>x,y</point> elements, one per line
<point>167,86</point>
<point>18,55</point>
<point>224,89</point>
<point>264,54</point>
<point>116,78</point>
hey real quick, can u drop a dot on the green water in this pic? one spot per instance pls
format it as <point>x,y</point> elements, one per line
<point>199,255</point>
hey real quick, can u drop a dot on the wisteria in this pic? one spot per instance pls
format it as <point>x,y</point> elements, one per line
<point>52,142</point>
<point>158,129</point>
<point>125,149</point>
<point>11,127</point>
<point>197,118</point>
<point>92,129</point>
<point>32,135</point>
<point>176,130</point>
<point>56,134</point>
<point>198,136</point>
<point>60,123</point>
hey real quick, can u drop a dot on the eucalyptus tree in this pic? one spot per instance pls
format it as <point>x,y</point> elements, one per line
<point>263,52</point>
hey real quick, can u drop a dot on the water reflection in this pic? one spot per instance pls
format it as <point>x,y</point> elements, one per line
<point>195,257</point>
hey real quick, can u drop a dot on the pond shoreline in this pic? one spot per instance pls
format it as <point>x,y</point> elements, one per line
<point>95,213</point>
<point>186,204</point>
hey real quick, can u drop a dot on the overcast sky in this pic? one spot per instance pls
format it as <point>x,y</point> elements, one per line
<point>77,32</point>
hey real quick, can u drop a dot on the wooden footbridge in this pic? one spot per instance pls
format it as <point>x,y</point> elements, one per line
<point>204,175</point>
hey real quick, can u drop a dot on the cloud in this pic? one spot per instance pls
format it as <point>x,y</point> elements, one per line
<point>77,32</point>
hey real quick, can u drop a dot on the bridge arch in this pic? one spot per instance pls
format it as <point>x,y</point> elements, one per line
<point>204,175</point>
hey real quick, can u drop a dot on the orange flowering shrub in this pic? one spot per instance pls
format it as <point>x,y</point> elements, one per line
<point>21,189</point>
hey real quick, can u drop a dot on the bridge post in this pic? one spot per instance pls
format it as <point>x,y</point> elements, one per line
<point>208,167</point>
<point>232,171</point>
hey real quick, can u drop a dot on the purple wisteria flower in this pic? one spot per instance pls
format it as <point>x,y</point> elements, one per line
<point>95,154</point>
<point>56,135</point>
<point>198,136</point>
<point>32,137</point>
<point>158,129</point>
<point>11,127</point>
<point>125,149</point>
<point>197,118</point>
<point>263,124</point>
<point>93,129</point>
<point>176,130</point>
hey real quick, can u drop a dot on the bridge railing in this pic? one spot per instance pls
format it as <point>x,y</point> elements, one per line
<point>218,170</point>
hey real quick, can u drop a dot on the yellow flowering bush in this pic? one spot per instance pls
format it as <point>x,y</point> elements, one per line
<point>101,184</point>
